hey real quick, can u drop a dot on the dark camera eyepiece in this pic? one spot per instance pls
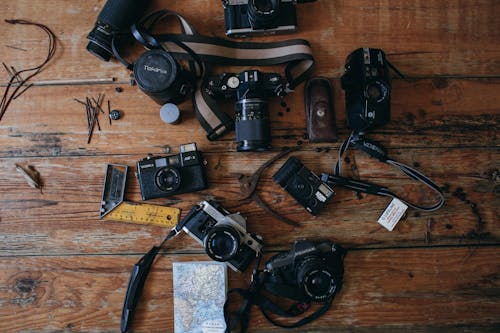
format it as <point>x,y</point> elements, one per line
<point>222,243</point>
<point>115,17</point>
<point>262,14</point>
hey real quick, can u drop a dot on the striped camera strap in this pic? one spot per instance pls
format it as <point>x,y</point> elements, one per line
<point>202,52</point>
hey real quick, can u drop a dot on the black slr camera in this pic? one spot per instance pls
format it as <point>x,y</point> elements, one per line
<point>314,270</point>
<point>164,176</point>
<point>367,86</point>
<point>250,89</point>
<point>223,235</point>
<point>116,17</point>
<point>251,17</point>
<point>306,187</point>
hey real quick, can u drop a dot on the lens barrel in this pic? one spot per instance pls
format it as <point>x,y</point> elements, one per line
<point>222,243</point>
<point>316,279</point>
<point>253,130</point>
<point>262,14</point>
<point>168,179</point>
<point>116,16</point>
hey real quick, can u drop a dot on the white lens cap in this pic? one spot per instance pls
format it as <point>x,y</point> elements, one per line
<point>170,114</point>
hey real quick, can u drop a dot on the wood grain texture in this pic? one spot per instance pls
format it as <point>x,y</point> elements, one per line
<point>384,289</point>
<point>64,270</point>
<point>64,218</point>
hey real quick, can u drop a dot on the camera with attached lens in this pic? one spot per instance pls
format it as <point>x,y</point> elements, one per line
<point>305,186</point>
<point>251,89</point>
<point>367,86</point>
<point>116,17</point>
<point>312,272</point>
<point>163,176</point>
<point>251,17</point>
<point>223,235</point>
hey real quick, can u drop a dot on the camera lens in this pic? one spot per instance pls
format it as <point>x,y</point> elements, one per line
<point>115,17</point>
<point>99,45</point>
<point>168,179</point>
<point>376,91</point>
<point>316,279</point>
<point>222,243</point>
<point>262,14</point>
<point>300,187</point>
<point>253,131</point>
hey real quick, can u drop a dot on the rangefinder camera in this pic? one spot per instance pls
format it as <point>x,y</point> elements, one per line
<point>254,17</point>
<point>163,176</point>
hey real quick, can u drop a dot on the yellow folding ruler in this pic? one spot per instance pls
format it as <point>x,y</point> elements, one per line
<point>113,207</point>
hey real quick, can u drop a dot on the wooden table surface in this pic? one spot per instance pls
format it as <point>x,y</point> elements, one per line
<point>64,270</point>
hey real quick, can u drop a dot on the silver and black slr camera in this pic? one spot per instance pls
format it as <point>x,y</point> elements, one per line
<point>304,186</point>
<point>251,89</point>
<point>367,86</point>
<point>252,17</point>
<point>163,176</point>
<point>223,235</point>
<point>314,272</point>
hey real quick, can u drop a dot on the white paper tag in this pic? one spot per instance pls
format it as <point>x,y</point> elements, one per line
<point>392,214</point>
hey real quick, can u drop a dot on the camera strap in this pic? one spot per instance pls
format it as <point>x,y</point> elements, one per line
<point>253,296</point>
<point>296,54</point>
<point>201,51</point>
<point>374,149</point>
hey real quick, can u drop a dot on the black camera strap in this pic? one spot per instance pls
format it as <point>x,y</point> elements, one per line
<point>374,149</point>
<point>253,296</point>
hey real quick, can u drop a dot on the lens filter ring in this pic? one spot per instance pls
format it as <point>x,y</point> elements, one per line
<point>262,14</point>
<point>316,279</point>
<point>168,179</point>
<point>376,91</point>
<point>222,243</point>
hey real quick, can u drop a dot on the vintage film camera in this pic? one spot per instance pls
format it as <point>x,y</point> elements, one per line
<point>253,17</point>
<point>163,176</point>
<point>116,17</point>
<point>250,89</point>
<point>304,186</point>
<point>367,86</point>
<point>315,270</point>
<point>223,235</point>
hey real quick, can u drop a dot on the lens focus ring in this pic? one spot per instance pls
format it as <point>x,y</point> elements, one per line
<point>222,243</point>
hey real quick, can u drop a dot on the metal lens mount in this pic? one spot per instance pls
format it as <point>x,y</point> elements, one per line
<point>168,179</point>
<point>222,243</point>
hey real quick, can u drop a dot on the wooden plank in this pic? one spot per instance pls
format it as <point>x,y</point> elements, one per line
<point>64,219</point>
<point>422,39</point>
<point>431,112</point>
<point>385,290</point>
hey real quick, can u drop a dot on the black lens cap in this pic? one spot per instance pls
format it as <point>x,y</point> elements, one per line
<point>155,71</point>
